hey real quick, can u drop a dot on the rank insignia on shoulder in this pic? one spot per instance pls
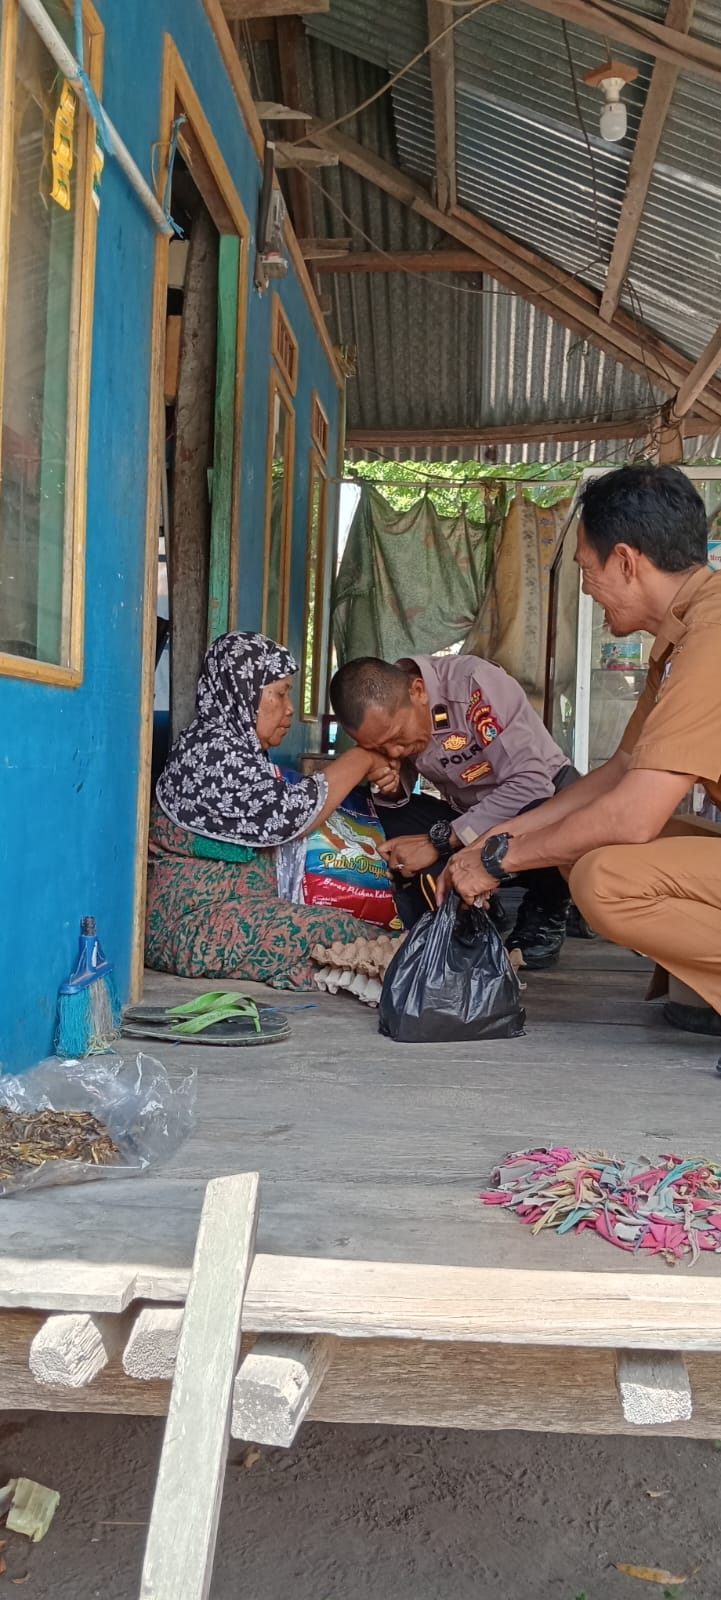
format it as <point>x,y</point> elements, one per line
<point>455,741</point>
<point>440,718</point>
<point>474,774</point>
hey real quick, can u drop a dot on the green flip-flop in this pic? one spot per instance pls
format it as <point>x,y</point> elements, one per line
<point>220,1017</point>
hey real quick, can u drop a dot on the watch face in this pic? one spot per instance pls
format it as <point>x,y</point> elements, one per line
<point>492,855</point>
<point>439,834</point>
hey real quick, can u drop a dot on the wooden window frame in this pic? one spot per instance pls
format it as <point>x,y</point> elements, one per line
<point>209,172</point>
<point>221,197</point>
<point>69,675</point>
<point>288,373</point>
<point>278,388</point>
<point>320,435</point>
<point>318,472</point>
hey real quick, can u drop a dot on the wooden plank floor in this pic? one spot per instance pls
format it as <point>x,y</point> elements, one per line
<point>371,1150</point>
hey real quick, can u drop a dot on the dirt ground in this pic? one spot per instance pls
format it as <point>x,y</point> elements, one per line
<point>397,1514</point>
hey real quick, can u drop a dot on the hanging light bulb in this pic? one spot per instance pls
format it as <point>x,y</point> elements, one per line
<point>611,79</point>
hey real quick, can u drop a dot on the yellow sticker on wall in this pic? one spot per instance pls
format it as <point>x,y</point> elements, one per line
<point>63,135</point>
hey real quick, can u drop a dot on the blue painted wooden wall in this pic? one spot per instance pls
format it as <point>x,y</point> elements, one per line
<point>69,758</point>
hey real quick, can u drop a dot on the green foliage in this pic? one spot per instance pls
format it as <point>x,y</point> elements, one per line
<point>458,486</point>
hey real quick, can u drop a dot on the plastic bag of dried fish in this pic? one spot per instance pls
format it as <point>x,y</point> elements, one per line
<point>103,1117</point>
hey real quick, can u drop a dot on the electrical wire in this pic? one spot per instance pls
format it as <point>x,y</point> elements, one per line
<point>620,451</point>
<point>388,255</point>
<point>641,415</point>
<point>466,9</point>
<point>245,26</point>
<point>647,35</point>
<point>603,253</point>
<point>463,289</point>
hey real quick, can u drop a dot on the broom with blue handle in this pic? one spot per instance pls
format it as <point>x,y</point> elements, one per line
<point>88,1005</point>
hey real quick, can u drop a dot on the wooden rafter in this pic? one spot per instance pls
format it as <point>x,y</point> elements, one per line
<point>421,261</point>
<point>537,280</point>
<point>699,376</point>
<point>292,155</point>
<point>655,111</point>
<point>290,38</point>
<point>669,450</point>
<point>443,86</point>
<point>242,10</point>
<point>640,32</point>
<point>564,432</point>
<point>324,249</point>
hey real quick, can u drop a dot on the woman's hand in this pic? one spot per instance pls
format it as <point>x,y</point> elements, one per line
<point>384,774</point>
<point>410,853</point>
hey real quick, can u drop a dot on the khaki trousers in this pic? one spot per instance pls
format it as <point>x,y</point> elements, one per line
<point>662,899</point>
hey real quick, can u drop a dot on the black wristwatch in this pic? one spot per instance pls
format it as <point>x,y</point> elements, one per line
<point>439,834</point>
<point>493,855</point>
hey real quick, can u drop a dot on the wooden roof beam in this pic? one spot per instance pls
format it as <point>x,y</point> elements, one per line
<point>244,10</point>
<point>443,87</point>
<point>537,280</point>
<point>324,249</point>
<point>290,40</point>
<point>566,431</point>
<point>655,111</point>
<point>275,111</point>
<point>640,32</point>
<point>415,261</point>
<point>698,378</point>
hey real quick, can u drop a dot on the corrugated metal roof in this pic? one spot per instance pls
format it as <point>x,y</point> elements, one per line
<point>676,264</point>
<point>385,32</point>
<point>433,354</point>
<point>455,351</point>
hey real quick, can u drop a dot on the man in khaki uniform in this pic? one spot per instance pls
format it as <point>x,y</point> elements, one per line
<point>642,549</point>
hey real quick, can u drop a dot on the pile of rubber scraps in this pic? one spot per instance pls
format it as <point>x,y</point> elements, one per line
<point>668,1207</point>
<point>357,968</point>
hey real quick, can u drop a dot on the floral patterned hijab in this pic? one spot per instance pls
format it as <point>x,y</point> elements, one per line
<point>218,781</point>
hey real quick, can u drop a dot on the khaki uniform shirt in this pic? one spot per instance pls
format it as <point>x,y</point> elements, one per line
<point>490,754</point>
<point>676,726</point>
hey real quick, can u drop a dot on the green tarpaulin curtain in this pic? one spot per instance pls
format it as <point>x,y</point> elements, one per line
<point>411,581</point>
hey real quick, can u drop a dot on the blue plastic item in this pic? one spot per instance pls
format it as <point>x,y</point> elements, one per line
<point>88,1004</point>
<point>91,963</point>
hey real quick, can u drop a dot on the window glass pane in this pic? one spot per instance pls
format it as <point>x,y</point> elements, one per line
<point>314,593</point>
<point>618,674</point>
<point>41,320</point>
<point>281,426</point>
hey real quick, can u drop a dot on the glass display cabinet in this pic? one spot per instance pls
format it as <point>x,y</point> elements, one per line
<point>593,681</point>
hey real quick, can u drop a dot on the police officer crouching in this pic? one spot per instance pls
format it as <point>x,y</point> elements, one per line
<point>467,726</point>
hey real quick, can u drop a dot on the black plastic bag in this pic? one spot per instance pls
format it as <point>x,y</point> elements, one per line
<point>451,979</point>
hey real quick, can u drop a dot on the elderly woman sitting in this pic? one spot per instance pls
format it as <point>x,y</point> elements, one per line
<point>222,809</point>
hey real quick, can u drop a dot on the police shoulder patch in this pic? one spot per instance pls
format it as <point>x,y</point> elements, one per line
<point>480,715</point>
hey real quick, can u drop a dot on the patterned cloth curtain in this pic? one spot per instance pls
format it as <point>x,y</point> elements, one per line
<point>411,580</point>
<point>511,626</point>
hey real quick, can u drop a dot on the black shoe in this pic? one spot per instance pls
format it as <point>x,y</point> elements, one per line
<point>539,935</point>
<point>576,926</point>
<point>693,1019</point>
